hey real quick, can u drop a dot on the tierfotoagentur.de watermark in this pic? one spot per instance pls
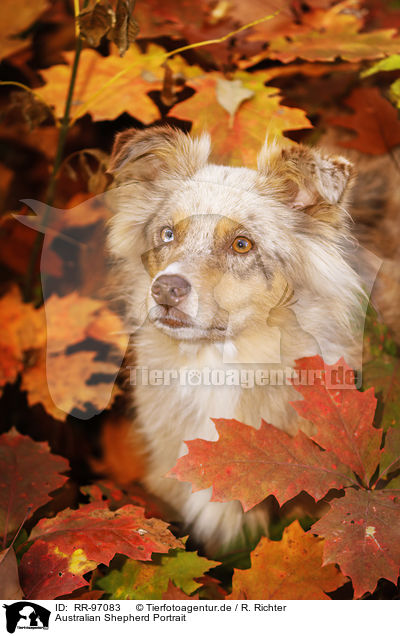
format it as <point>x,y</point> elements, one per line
<point>337,378</point>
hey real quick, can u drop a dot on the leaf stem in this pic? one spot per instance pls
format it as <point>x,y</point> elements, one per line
<point>64,128</point>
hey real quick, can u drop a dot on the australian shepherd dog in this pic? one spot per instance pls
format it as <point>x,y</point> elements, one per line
<point>223,268</point>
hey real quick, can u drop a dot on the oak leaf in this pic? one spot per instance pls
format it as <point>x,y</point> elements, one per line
<point>249,464</point>
<point>76,541</point>
<point>29,472</point>
<point>288,569</point>
<point>362,535</point>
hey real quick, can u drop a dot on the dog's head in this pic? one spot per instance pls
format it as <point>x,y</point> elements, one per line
<point>207,251</point>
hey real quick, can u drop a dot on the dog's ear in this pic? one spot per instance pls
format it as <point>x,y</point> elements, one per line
<point>154,153</point>
<point>307,179</point>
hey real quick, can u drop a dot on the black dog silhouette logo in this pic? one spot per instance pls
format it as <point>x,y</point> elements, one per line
<point>26,615</point>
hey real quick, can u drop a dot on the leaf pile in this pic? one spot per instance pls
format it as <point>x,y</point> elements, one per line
<point>314,71</point>
<point>362,528</point>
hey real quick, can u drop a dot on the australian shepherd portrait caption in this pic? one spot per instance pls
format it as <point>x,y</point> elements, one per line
<point>222,268</point>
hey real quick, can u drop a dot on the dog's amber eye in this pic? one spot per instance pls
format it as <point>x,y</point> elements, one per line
<point>167,235</point>
<point>242,245</point>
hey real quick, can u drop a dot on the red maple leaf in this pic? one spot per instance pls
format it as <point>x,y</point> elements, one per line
<point>76,541</point>
<point>29,472</point>
<point>249,464</point>
<point>362,535</point>
<point>343,417</point>
<point>374,120</point>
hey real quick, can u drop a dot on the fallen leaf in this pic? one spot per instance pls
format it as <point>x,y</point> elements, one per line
<point>343,417</point>
<point>67,384</point>
<point>31,109</point>
<point>249,465</point>
<point>10,588</point>
<point>362,535</point>
<point>173,593</point>
<point>74,542</point>
<point>231,93</point>
<point>29,473</point>
<point>374,120</point>
<point>237,139</point>
<point>391,63</point>
<point>123,451</point>
<point>16,17</point>
<point>395,92</point>
<point>93,73</point>
<point>67,319</point>
<point>384,375</point>
<point>144,73</point>
<point>21,328</point>
<point>287,569</point>
<point>150,580</point>
<point>390,461</point>
<point>326,35</point>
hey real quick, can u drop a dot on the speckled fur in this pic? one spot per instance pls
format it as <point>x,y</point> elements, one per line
<point>293,208</point>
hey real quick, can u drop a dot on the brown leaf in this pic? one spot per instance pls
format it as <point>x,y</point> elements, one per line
<point>29,473</point>
<point>362,535</point>
<point>96,22</point>
<point>168,93</point>
<point>125,29</point>
<point>34,112</point>
<point>10,588</point>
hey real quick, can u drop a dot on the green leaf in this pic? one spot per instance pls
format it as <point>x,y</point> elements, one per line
<point>391,63</point>
<point>395,92</point>
<point>384,376</point>
<point>390,460</point>
<point>381,370</point>
<point>150,580</point>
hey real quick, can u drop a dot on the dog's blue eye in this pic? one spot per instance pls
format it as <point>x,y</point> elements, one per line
<point>167,235</point>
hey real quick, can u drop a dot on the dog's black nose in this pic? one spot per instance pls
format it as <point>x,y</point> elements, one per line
<point>170,290</point>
